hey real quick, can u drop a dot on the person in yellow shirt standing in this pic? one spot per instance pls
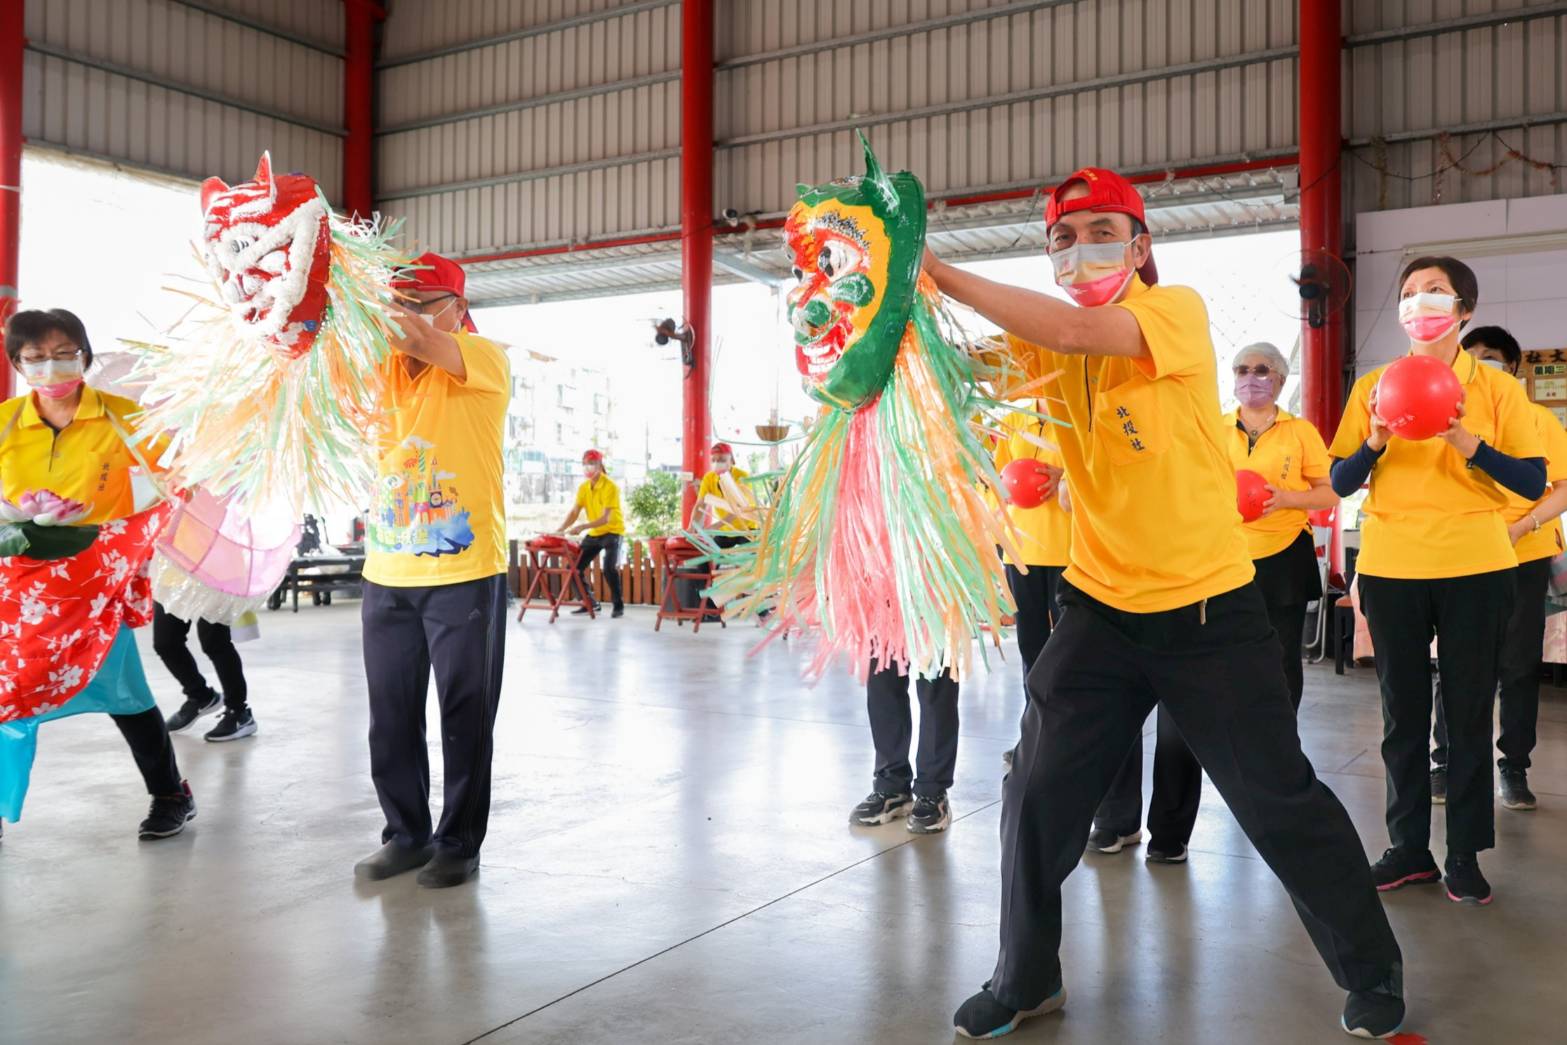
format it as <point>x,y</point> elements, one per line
<point>1435,559</point>
<point>1159,610</point>
<point>1289,453</point>
<point>599,499</point>
<point>1046,535</point>
<point>1535,529</point>
<point>435,579</point>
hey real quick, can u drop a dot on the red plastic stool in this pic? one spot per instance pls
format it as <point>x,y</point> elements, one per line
<point>551,556</point>
<point>678,553</point>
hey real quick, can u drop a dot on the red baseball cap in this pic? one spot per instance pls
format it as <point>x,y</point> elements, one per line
<point>597,456</point>
<point>722,448</point>
<point>430,271</point>
<point>1108,193</point>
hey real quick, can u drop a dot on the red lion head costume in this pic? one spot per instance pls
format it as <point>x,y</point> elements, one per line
<point>266,243</point>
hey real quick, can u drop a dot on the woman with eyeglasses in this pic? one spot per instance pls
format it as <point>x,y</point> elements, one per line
<point>1288,452</point>
<point>1436,559</point>
<point>75,613</point>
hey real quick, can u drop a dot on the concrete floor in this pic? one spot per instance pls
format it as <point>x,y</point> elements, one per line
<point>669,861</point>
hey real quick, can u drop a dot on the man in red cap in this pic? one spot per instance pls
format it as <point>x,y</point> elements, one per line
<point>435,578</point>
<point>1159,610</point>
<point>599,499</point>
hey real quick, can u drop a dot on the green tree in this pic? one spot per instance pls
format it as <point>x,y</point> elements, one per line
<point>655,505</point>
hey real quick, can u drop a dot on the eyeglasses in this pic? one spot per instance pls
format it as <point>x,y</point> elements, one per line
<point>1261,370</point>
<point>61,357</point>
<point>425,307</point>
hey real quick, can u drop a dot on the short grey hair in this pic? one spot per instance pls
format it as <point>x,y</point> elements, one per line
<point>1269,352</point>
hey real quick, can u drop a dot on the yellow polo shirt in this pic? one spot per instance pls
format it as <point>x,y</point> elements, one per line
<point>1429,513</point>
<point>1154,522</point>
<point>1046,530</point>
<point>712,486</point>
<point>86,460</point>
<point>439,515</point>
<point>1547,540</point>
<point>594,497</point>
<point>1288,455</point>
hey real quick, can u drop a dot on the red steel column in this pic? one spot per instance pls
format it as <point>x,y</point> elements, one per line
<point>13,39</point>
<point>696,229</point>
<point>359,18</point>
<point>1321,210</point>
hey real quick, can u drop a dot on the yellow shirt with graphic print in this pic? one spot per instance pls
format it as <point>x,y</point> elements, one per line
<point>439,515</point>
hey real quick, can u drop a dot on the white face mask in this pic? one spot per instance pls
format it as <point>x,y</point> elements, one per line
<point>55,377</point>
<point>1092,273</point>
<point>1428,317</point>
<point>1495,364</point>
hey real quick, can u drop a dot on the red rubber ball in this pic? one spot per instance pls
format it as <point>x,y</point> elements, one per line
<point>1417,397</point>
<point>1027,482</point>
<point>1251,494</point>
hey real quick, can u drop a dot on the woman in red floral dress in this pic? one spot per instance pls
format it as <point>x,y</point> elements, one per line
<point>73,579</point>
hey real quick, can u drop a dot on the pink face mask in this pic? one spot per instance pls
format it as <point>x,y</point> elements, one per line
<point>1254,391</point>
<point>1092,274</point>
<point>1428,317</point>
<point>54,378</point>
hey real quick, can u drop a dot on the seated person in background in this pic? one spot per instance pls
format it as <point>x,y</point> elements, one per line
<point>599,498</point>
<point>735,527</point>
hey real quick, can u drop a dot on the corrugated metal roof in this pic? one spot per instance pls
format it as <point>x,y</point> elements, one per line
<point>1214,205</point>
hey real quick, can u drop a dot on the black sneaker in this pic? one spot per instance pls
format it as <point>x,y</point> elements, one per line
<point>581,610</point>
<point>880,808</point>
<point>1515,790</point>
<point>930,816</point>
<point>1379,1012</point>
<point>1400,867</point>
<point>1160,853</point>
<point>1465,883</point>
<point>618,611</point>
<point>232,726</point>
<point>982,1016</point>
<point>1105,840</point>
<point>192,710</point>
<point>1439,786</point>
<point>168,815</point>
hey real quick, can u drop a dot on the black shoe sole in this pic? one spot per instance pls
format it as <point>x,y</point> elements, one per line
<point>881,819</point>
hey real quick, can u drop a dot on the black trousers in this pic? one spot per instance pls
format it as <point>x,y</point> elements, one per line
<point>609,544</point>
<point>1519,672</point>
<point>1215,667</point>
<point>892,730</point>
<point>152,749</point>
<point>1468,616</point>
<point>458,633</point>
<point>1288,581</point>
<point>1177,789</point>
<point>1037,609</point>
<point>170,638</point>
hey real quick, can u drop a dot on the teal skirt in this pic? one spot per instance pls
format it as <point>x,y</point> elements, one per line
<point>119,688</point>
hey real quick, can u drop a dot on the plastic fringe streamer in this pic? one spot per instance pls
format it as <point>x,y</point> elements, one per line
<point>245,421</point>
<point>880,542</point>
